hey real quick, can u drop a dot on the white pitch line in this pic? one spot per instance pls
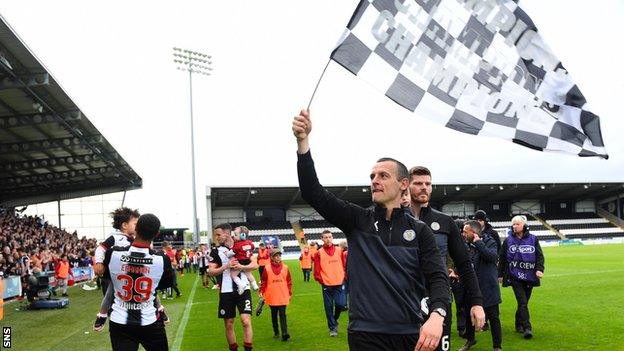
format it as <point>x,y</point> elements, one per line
<point>582,273</point>
<point>187,311</point>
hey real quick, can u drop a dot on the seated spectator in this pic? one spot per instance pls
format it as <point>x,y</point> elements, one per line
<point>29,243</point>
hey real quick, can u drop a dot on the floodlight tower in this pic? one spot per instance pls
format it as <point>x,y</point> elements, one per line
<point>192,62</point>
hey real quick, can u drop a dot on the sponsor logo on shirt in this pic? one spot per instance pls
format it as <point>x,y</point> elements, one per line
<point>522,248</point>
<point>135,306</point>
<point>409,235</point>
<point>136,260</point>
<point>435,225</point>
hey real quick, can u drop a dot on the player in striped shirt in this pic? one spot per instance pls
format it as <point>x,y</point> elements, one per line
<point>124,223</point>
<point>136,272</point>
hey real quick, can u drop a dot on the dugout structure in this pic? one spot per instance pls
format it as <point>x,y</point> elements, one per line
<point>49,150</point>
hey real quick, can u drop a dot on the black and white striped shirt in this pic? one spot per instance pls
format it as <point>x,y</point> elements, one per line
<point>136,272</point>
<point>219,256</point>
<point>202,259</point>
<point>117,238</point>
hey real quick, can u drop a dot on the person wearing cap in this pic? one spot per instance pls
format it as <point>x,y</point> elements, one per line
<point>449,242</point>
<point>276,289</point>
<point>521,266</point>
<point>481,217</point>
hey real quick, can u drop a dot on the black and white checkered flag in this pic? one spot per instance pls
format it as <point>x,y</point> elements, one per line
<point>479,67</point>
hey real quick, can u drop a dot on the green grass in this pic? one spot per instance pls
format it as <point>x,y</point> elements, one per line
<point>578,307</point>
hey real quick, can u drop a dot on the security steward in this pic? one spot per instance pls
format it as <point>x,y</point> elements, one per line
<point>263,257</point>
<point>393,258</point>
<point>305,261</point>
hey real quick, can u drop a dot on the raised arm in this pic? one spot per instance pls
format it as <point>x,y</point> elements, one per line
<point>338,212</point>
<point>487,249</point>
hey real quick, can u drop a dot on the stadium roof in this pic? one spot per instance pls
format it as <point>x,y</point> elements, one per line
<point>286,197</point>
<point>49,150</point>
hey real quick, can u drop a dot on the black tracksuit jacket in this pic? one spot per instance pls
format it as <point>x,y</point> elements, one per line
<point>391,266</point>
<point>451,242</point>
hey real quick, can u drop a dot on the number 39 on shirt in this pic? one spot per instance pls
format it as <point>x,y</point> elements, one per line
<point>138,289</point>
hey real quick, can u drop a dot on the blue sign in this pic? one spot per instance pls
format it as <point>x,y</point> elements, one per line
<point>271,241</point>
<point>82,273</point>
<point>12,287</point>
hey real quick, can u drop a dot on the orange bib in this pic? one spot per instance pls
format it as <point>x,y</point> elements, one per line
<point>306,260</point>
<point>332,271</point>
<point>263,257</point>
<point>63,271</point>
<point>276,293</point>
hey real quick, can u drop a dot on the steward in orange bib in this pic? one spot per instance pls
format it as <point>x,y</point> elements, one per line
<point>305,261</point>
<point>62,271</point>
<point>263,257</point>
<point>313,249</point>
<point>329,271</point>
<point>276,288</point>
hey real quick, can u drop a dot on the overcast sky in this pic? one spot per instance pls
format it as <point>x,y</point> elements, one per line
<point>114,59</point>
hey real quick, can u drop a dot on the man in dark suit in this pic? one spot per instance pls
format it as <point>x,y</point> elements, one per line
<point>484,254</point>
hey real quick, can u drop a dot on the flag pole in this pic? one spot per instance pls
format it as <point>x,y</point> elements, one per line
<point>317,83</point>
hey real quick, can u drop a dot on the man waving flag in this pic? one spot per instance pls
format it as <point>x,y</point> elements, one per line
<point>476,66</point>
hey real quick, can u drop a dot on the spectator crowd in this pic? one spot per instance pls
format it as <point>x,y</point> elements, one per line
<point>30,242</point>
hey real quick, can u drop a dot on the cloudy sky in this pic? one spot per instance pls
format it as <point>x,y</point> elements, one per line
<point>114,59</point>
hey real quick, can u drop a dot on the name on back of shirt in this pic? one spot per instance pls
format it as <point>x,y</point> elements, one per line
<point>135,269</point>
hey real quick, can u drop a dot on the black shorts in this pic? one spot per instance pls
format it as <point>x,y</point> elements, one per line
<point>128,337</point>
<point>445,340</point>
<point>229,302</point>
<point>367,341</point>
<point>202,270</point>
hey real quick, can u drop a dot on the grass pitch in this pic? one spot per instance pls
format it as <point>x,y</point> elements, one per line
<point>578,307</point>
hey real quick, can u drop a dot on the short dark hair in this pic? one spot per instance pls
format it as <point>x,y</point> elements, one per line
<point>401,169</point>
<point>224,226</point>
<point>419,171</point>
<point>148,226</point>
<point>123,215</point>
<point>327,231</point>
<point>474,225</point>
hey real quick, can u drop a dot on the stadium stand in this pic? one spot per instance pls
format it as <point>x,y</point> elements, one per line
<point>29,242</point>
<point>49,151</point>
<point>269,210</point>
<point>573,226</point>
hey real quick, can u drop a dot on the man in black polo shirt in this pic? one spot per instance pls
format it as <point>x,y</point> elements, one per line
<point>393,258</point>
<point>450,242</point>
